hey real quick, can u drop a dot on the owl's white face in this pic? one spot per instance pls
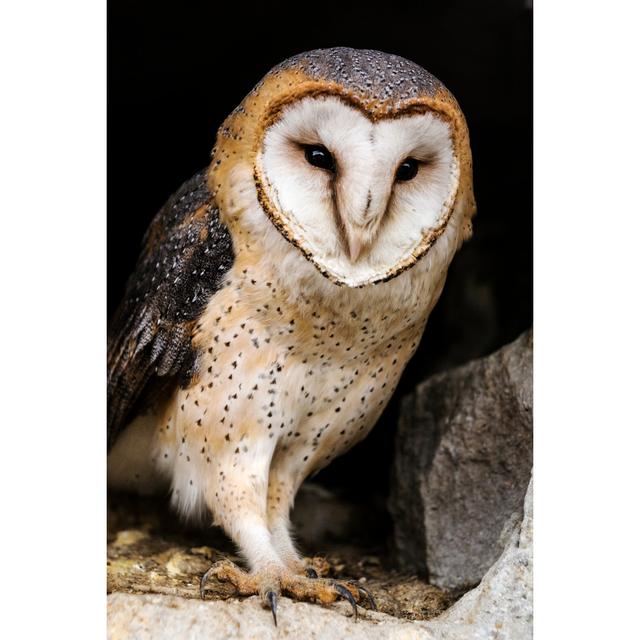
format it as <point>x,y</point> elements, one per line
<point>360,198</point>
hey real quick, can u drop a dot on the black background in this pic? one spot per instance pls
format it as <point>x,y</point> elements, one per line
<point>176,71</point>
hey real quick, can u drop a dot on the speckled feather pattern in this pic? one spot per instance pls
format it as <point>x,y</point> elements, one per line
<point>370,74</point>
<point>186,254</point>
<point>300,382</point>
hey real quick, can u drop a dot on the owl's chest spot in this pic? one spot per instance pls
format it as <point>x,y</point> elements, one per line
<point>283,377</point>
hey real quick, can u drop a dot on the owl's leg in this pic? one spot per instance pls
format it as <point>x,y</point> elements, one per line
<point>279,503</point>
<point>280,527</point>
<point>241,508</point>
<point>238,497</point>
<point>310,587</point>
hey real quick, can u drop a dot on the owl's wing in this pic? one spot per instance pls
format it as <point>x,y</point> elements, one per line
<point>186,253</point>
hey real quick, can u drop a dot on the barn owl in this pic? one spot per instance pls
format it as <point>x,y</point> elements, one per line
<point>279,295</point>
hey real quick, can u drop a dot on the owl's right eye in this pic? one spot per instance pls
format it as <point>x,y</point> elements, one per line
<point>320,157</point>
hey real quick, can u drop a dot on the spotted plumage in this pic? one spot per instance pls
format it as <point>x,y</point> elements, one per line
<point>187,253</point>
<point>276,303</point>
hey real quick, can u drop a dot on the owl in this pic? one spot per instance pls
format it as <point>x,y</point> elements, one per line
<point>278,297</point>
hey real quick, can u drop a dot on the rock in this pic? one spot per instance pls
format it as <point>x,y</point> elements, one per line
<point>463,461</point>
<point>156,617</point>
<point>320,518</point>
<point>500,608</point>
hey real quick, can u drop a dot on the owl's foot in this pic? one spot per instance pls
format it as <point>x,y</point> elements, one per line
<point>315,567</point>
<point>318,567</point>
<point>271,583</point>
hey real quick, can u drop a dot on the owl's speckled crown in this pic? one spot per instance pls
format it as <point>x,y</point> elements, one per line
<point>369,73</point>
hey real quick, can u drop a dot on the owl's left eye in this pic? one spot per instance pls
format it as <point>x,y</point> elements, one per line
<point>407,170</point>
<point>320,157</point>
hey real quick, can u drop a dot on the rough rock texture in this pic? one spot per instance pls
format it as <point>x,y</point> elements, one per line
<point>500,608</point>
<point>463,461</point>
<point>155,617</point>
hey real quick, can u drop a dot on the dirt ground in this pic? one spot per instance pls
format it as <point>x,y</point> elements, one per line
<point>150,551</point>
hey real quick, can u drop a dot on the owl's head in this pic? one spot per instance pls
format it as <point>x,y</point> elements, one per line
<point>359,158</point>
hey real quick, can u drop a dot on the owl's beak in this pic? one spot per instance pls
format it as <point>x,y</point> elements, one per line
<point>355,248</point>
<point>360,208</point>
<point>357,240</point>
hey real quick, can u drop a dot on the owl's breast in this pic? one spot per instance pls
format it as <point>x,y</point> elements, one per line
<point>282,379</point>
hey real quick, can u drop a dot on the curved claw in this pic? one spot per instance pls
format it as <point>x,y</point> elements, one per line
<point>311,572</point>
<point>272,599</point>
<point>367,593</point>
<point>346,594</point>
<point>203,580</point>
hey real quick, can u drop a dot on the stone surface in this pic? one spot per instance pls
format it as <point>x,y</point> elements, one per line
<point>500,608</point>
<point>320,516</point>
<point>463,462</point>
<point>156,617</point>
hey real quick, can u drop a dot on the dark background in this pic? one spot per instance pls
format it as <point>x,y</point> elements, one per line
<point>175,72</point>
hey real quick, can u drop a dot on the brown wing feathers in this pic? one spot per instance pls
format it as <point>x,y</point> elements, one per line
<point>185,256</point>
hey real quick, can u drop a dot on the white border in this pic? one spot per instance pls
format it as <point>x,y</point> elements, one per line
<point>587,320</point>
<point>52,261</point>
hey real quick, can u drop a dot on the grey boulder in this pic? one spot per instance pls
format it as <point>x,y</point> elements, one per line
<point>464,452</point>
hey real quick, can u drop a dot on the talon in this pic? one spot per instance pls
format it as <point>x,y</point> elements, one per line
<point>346,594</point>
<point>311,572</point>
<point>204,579</point>
<point>221,571</point>
<point>272,599</point>
<point>367,593</point>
